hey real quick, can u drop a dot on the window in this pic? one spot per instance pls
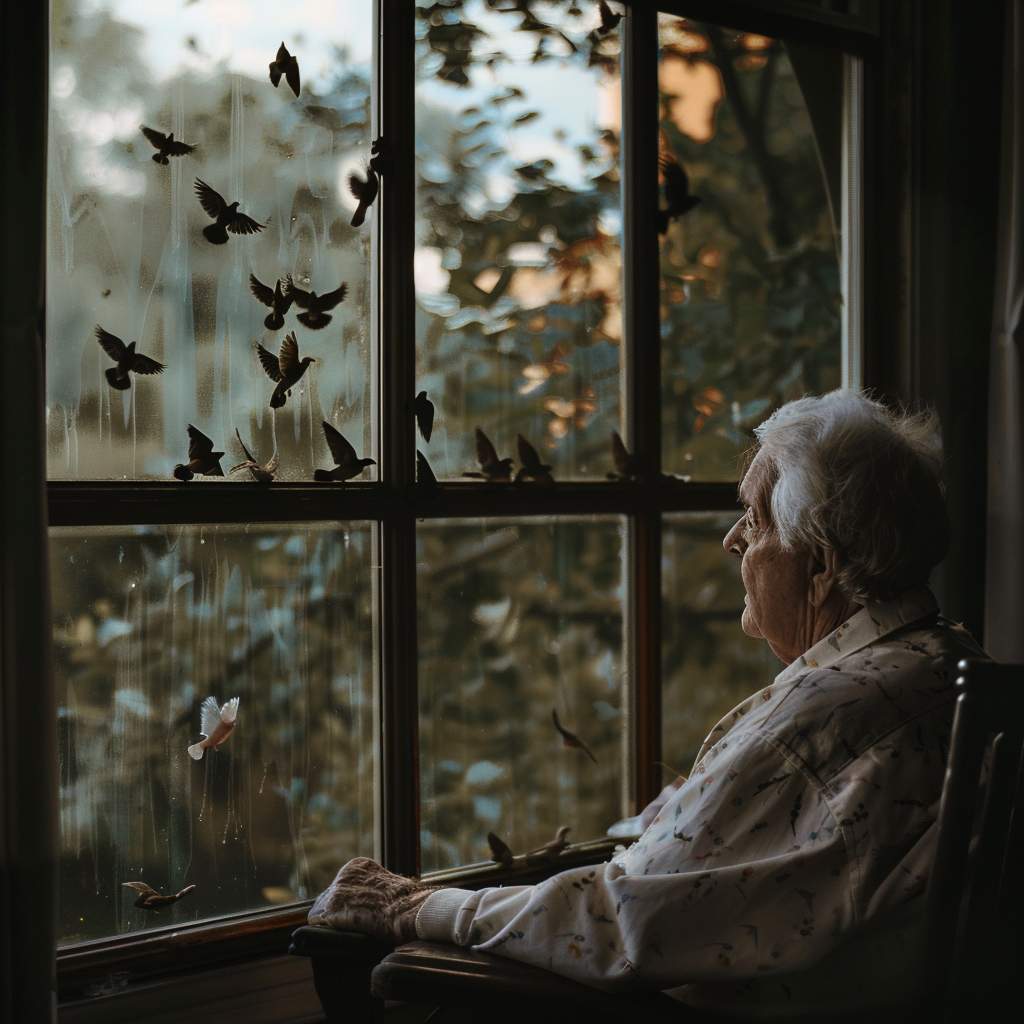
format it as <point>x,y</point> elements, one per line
<point>617,242</point>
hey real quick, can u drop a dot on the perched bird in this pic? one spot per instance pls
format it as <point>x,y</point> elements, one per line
<point>533,469</point>
<point>202,459</point>
<point>166,145</point>
<point>127,359</point>
<point>346,463</point>
<point>423,408</point>
<point>150,899</point>
<point>261,474</point>
<point>364,191</point>
<point>499,851</point>
<point>491,467</point>
<point>549,851</point>
<point>285,64</point>
<point>278,300</point>
<point>570,739</point>
<point>677,191</point>
<point>315,306</point>
<point>225,214</point>
<point>625,464</point>
<point>425,475</point>
<point>285,369</point>
<point>217,724</point>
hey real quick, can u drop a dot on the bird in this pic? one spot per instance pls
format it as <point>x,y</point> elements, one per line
<point>315,306</point>
<point>609,20</point>
<point>261,474</point>
<point>277,299</point>
<point>285,64</point>
<point>202,459</point>
<point>127,359</point>
<point>226,215</point>
<point>625,464</point>
<point>677,191</point>
<point>491,467</point>
<point>550,850</point>
<point>570,739</point>
<point>216,725</point>
<point>150,899</point>
<point>499,851</point>
<point>166,144</point>
<point>346,463</point>
<point>285,369</point>
<point>532,469</point>
<point>364,191</point>
<point>425,475</point>
<point>423,408</point>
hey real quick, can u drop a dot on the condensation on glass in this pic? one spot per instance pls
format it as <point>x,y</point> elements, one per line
<point>518,620</point>
<point>519,231</point>
<point>709,665</point>
<point>148,623</point>
<point>125,245</point>
<point>752,303</point>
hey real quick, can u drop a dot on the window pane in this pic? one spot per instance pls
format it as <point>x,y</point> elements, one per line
<point>751,303</point>
<point>516,621</point>
<point>709,664</point>
<point>519,231</point>
<point>148,623</point>
<point>125,245</point>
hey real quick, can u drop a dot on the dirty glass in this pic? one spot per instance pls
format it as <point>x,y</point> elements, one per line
<point>518,259</point>
<point>151,621</point>
<point>125,244</point>
<point>517,621</point>
<point>750,157</point>
<point>709,664</point>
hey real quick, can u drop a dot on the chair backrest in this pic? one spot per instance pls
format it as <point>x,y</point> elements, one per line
<point>974,898</point>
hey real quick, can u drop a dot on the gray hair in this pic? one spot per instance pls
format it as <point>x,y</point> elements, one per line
<point>848,473</point>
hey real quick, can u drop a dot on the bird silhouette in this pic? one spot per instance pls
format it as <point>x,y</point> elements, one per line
<point>423,408</point>
<point>166,144</point>
<point>499,851</point>
<point>285,369</point>
<point>202,459</point>
<point>261,474</point>
<point>127,359</point>
<point>226,215</point>
<point>346,463</point>
<point>216,725</point>
<point>625,464</point>
<point>285,64</point>
<point>550,850</point>
<point>491,467</point>
<point>533,470</point>
<point>150,899</point>
<point>570,739</point>
<point>677,191</point>
<point>277,299</point>
<point>364,191</point>
<point>315,306</point>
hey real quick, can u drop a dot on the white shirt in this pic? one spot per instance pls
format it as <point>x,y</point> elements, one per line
<point>808,816</point>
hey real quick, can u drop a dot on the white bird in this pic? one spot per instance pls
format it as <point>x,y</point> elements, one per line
<point>217,723</point>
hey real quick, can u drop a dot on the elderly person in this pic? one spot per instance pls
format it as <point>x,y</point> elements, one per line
<point>807,823</point>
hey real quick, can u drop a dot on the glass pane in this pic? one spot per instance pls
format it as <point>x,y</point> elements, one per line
<point>519,231</point>
<point>517,622</point>
<point>751,305</point>
<point>709,664</point>
<point>126,250</point>
<point>148,624</point>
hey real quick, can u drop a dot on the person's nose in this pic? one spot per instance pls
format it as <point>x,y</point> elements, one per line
<point>733,542</point>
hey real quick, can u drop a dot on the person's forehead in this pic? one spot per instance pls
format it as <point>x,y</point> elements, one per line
<point>751,488</point>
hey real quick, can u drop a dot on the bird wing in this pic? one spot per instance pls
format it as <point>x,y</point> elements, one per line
<point>291,74</point>
<point>141,888</point>
<point>199,445</point>
<point>112,344</point>
<point>157,140</point>
<point>365,190</point>
<point>282,54</point>
<point>424,474</point>
<point>210,716</point>
<point>242,224</point>
<point>288,361</point>
<point>245,450</point>
<point>341,451</point>
<point>176,148</point>
<point>143,364</point>
<point>485,453</point>
<point>424,409</point>
<point>270,364</point>
<point>210,199</point>
<point>229,710</point>
<point>261,291</point>
<point>331,299</point>
<point>299,296</point>
<point>527,454</point>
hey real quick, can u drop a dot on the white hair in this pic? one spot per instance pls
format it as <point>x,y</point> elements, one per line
<point>848,473</point>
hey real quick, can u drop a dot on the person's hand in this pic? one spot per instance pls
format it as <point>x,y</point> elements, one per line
<point>364,897</point>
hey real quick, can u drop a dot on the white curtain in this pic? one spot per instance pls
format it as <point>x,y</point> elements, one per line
<point>1004,570</point>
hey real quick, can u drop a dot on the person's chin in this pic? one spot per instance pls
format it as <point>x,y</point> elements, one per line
<point>747,623</point>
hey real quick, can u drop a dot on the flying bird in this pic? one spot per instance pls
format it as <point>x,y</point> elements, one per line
<point>261,474</point>
<point>550,850</point>
<point>217,724</point>
<point>202,459</point>
<point>285,64</point>
<point>677,191</point>
<point>285,369</point>
<point>491,467</point>
<point>609,20</point>
<point>364,191</point>
<point>533,469</point>
<point>166,144</point>
<point>127,359</point>
<point>150,899</point>
<point>499,851</point>
<point>225,214</point>
<point>423,408</point>
<point>346,463</point>
<point>315,306</point>
<point>277,299</point>
<point>570,739</point>
<point>625,463</point>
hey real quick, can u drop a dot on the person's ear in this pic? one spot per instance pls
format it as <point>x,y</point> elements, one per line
<point>824,566</point>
